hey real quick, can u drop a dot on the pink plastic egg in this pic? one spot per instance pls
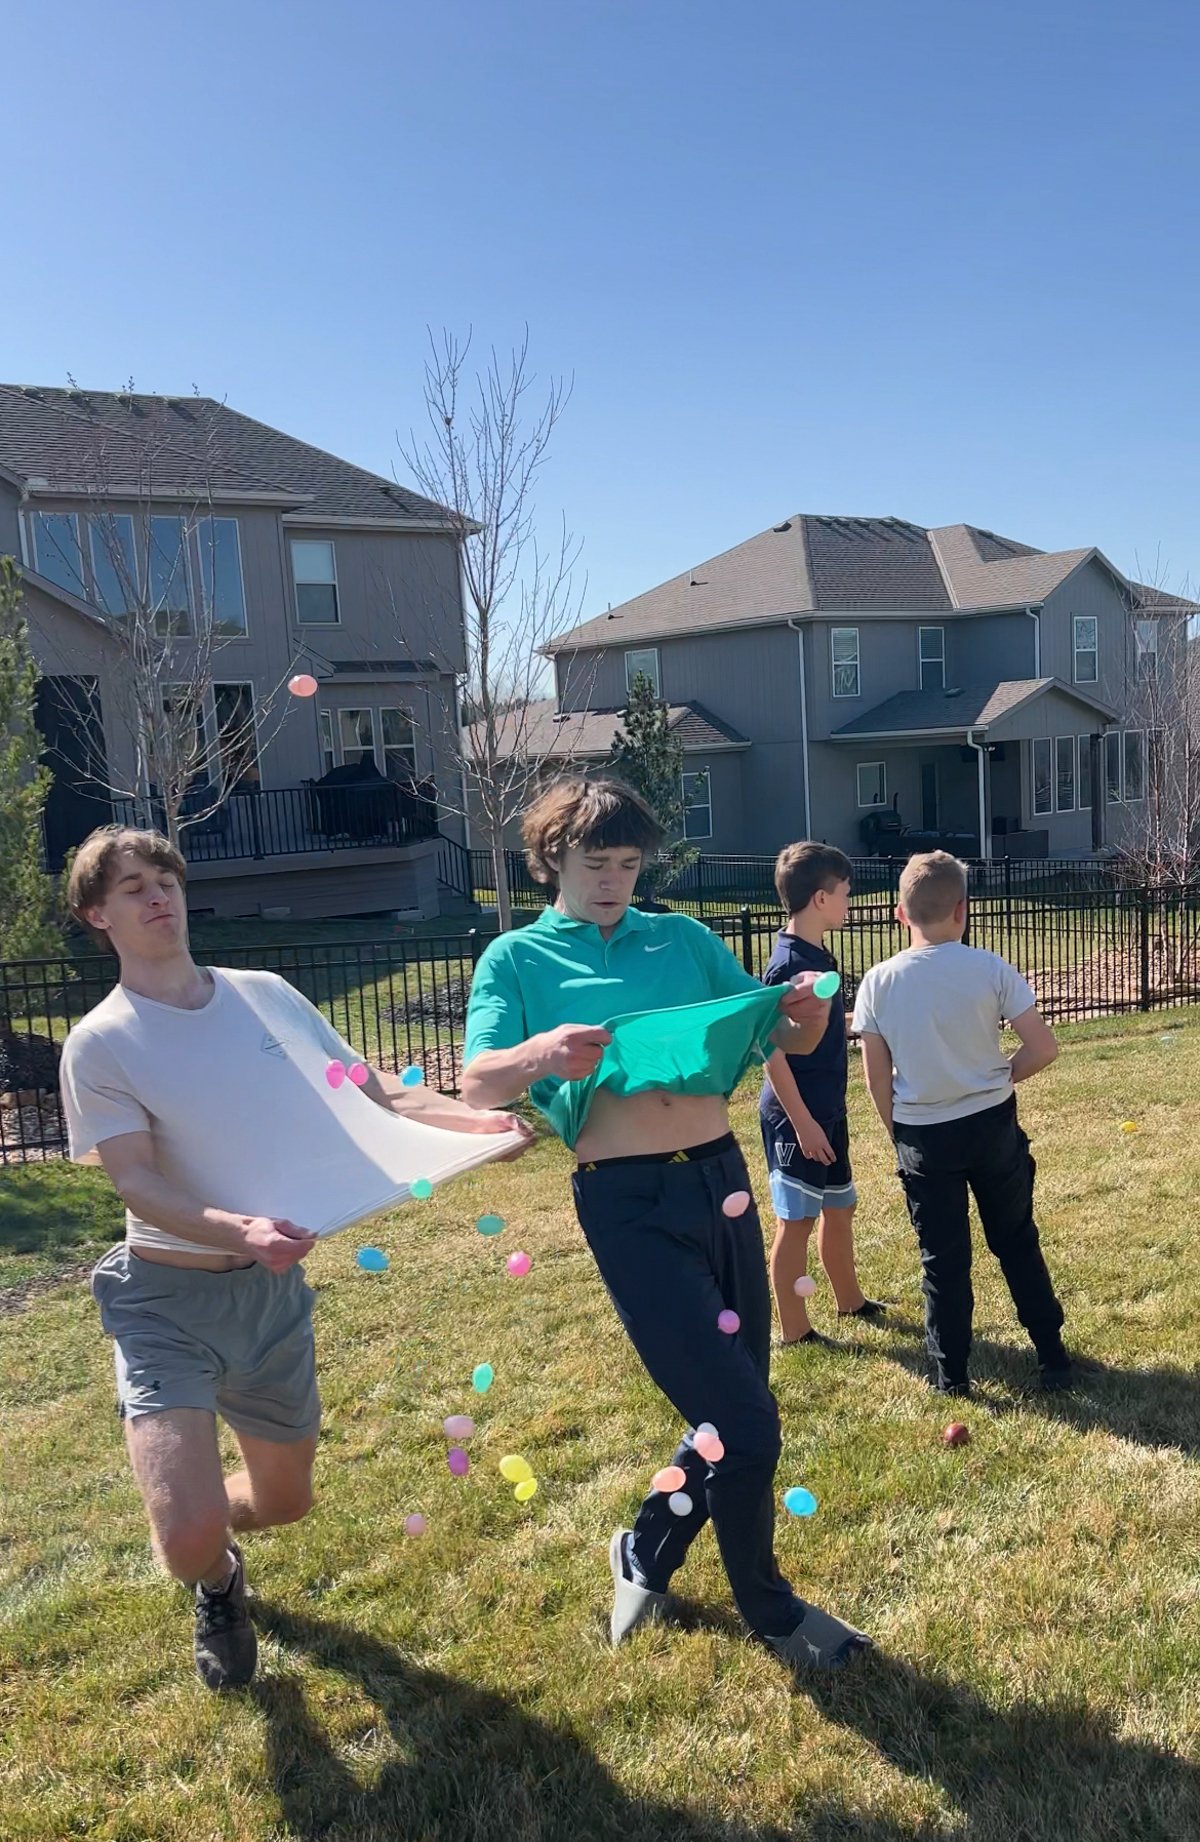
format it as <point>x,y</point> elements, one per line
<point>303,685</point>
<point>415,1525</point>
<point>805,1286</point>
<point>359,1073</point>
<point>709,1448</point>
<point>335,1073</point>
<point>729,1322</point>
<point>668,1480</point>
<point>736,1203</point>
<point>458,1426</point>
<point>518,1265</point>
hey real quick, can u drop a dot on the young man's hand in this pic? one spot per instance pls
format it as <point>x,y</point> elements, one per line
<point>456,1116</point>
<point>572,1051</point>
<point>276,1244</point>
<point>800,1006</point>
<point>814,1144</point>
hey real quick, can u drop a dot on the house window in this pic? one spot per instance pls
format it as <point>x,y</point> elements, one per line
<point>167,570</point>
<point>399,746</point>
<point>1084,649</point>
<point>1043,776</point>
<point>872,783</point>
<point>237,740</point>
<point>186,741</point>
<point>1146,648</point>
<point>114,563</point>
<point>645,665</point>
<point>56,549</point>
<point>1085,773</point>
<point>697,804</point>
<point>931,648</point>
<point>843,652</point>
<point>325,736</point>
<point>1064,773</point>
<point>1133,785</point>
<point>356,732</point>
<point>314,574</point>
<point>1112,766</point>
<point>221,575</point>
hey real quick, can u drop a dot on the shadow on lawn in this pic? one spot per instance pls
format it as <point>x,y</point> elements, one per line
<point>1152,1407</point>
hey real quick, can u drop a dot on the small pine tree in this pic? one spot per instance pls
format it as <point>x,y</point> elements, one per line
<point>26,894</point>
<point>650,759</point>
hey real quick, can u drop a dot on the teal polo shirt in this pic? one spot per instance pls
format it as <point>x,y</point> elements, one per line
<point>564,971</point>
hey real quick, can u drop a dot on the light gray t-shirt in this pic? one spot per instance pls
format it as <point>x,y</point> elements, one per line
<point>939,1009</point>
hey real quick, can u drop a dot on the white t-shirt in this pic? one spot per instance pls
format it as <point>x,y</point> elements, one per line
<point>939,1009</point>
<point>236,1099</point>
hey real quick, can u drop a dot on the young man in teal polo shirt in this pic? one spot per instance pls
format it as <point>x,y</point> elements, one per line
<point>644,1106</point>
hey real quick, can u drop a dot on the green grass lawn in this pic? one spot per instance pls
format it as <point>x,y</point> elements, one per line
<point>1035,1596</point>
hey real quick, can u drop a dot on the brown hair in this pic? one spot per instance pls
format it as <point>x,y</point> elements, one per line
<point>932,886</point>
<point>95,864</point>
<point>601,815</point>
<point>802,869</point>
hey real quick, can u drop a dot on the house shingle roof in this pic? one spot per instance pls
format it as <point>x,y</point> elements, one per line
<point>88,440</point>
<point>813,565</point>
<point>542,730</point>
<point>969,707</point>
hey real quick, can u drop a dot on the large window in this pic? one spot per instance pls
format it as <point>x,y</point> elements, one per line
<point>931,649</point>
<point>1133,785</point>
<point>237,741</point>
<point>1146,646</point>
<point>1064,773</point>
<point>114,563</point>
<point>1085,773</point>
<point>221,575</point>
<point>872,783</point>
<point>185,712</point>
<point>166,558</point>
<point>843,652</point>
<point>57,555</point>
<point>399,746</point>
<point>325,736</point>
<point>314,572</point>
<point>643,664</point>
<point>697,798</point>
<point>1112,766</point>
<point>1043,775</point>
<point>356,732</point>
<point>1085,656</point>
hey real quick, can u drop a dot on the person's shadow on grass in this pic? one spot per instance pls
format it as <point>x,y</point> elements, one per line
<point>1152,1407</point>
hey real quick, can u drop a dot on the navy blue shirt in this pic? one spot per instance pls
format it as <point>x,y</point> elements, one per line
<point>821,1076</point>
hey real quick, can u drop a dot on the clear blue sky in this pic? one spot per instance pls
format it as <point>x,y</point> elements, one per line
<point>939,260</point>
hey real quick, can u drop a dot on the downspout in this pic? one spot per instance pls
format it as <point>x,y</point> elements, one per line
<point>799,633</point>
<point>985,842</point>
<point>1036,618</point>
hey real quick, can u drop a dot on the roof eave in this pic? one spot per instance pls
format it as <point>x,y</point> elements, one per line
<point>929,617</point>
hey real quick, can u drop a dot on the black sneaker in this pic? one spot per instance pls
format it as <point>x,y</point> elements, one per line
<point>871,1309</point>
<point>1057,1378</point>
<point>944,1386</point>
<point>225,1645</point>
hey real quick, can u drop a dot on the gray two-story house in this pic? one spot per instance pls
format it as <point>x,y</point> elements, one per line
<point>304,564</point>
<point>974,690</point>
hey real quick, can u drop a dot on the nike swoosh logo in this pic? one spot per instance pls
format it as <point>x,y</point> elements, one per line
<point>662,949</point>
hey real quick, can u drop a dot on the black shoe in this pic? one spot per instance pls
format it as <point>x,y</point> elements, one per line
<point>225,1645</point>
<point>870,1309</point>
<point>960,1388</point>
<point>1057,1378</point>
<point>811,1336</point>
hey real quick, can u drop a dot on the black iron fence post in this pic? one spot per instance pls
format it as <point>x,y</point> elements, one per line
<point>1144,942</point>
<point>747,942</point>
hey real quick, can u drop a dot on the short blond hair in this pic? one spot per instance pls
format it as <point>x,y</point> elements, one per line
<point>95,864</point>
<point>931,887</point>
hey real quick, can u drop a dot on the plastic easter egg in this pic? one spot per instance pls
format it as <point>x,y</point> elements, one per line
<point>729,1322</point>
<point>483,1377</point>
<point>525,1489</point>
<point>706,1426</point>
<point>335,1073</point>
<point>358,1073</point>
<point>490,1224</point>
<point>670,1478</point>
<point>458,1426</point>
<point>515,1469</point>
<point>420,1189</point>
<point>373,1260</point>
<point>827,985</point>
<point>458,1461</point>
<point>805,1286</point>
<point>303,685</point>
<point>710,1448</point>
<point>736,1203</point>
<point>799,1502</point>
<point>518,1265</point>
<point>412,1076</point>
<point>679,1503</point>
<point>415,1525</point>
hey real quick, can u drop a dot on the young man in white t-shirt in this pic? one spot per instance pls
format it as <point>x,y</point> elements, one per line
<point>184,1083</point>
<point>930,1021</point>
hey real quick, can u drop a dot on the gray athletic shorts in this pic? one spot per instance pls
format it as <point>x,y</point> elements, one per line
<point>238,1344</point>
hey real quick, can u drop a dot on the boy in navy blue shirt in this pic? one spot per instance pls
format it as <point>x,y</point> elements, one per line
<point>809,1166</point>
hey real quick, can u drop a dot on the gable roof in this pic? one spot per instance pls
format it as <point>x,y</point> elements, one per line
<point>828,565</point>
<point>978,706</point>
<point>544,731</point>
<point>83,440</point>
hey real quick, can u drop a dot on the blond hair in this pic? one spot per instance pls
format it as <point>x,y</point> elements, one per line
<point>932,886</point>
<point>94,868</point>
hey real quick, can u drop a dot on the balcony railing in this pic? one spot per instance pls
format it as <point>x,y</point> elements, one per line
<point>257,822</point>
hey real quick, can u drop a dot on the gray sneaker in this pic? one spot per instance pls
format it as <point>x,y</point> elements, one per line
<point>821,1641</point>
<point>225,1644</point>
<point>633,1605</point>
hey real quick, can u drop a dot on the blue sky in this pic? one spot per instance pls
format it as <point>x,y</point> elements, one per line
<point>940,261</point>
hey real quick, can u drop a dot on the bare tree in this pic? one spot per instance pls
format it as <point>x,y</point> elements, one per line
<point>481,458</point>
<point>156,564</point>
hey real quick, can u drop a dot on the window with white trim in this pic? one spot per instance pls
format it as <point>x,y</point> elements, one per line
<point>220,552</point>
<point>843,656</point>
<point>1064,773</point>
<point>57,554</point>
<point>1133,766</point>
<point>697,804</point>
<point>399,746</point>
<point>325,737</point>
<point>1145,639</point>
<point>356,733</point>
<point>642,664</point>
<point>1085,773</point>
<point>166,566</point>
<point>871,778</point>
<point>931,655</point>
<point>1042,758</point>
<point>236,730</point>
<point>1085,656</point>
<point>314,576</point>
<point>114,563</point>
<point>180,700</point>
<point>1112,767</point>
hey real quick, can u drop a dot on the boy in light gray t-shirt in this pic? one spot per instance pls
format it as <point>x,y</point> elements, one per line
<point>930,1021</point>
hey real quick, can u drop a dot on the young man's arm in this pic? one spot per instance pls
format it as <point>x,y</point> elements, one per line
<point>1038,1047</point>
<point>129,1161</point>
<point>810,1136</point>
<point>877,1067</point>
<point>432,1108</point>
<point>496,1076</point>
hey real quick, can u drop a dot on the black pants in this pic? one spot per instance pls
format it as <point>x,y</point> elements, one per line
<point>989,1154</point>
<point>672,1261</point>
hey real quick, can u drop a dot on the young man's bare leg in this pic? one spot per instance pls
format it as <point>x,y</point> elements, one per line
<point>276,1484</point>
<point>177,1464</point>
<point>789,1262</point>
<point>835,1246</point>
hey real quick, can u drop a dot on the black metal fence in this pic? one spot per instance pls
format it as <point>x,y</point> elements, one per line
<point>1087,952</point>
<point>257,822</point>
